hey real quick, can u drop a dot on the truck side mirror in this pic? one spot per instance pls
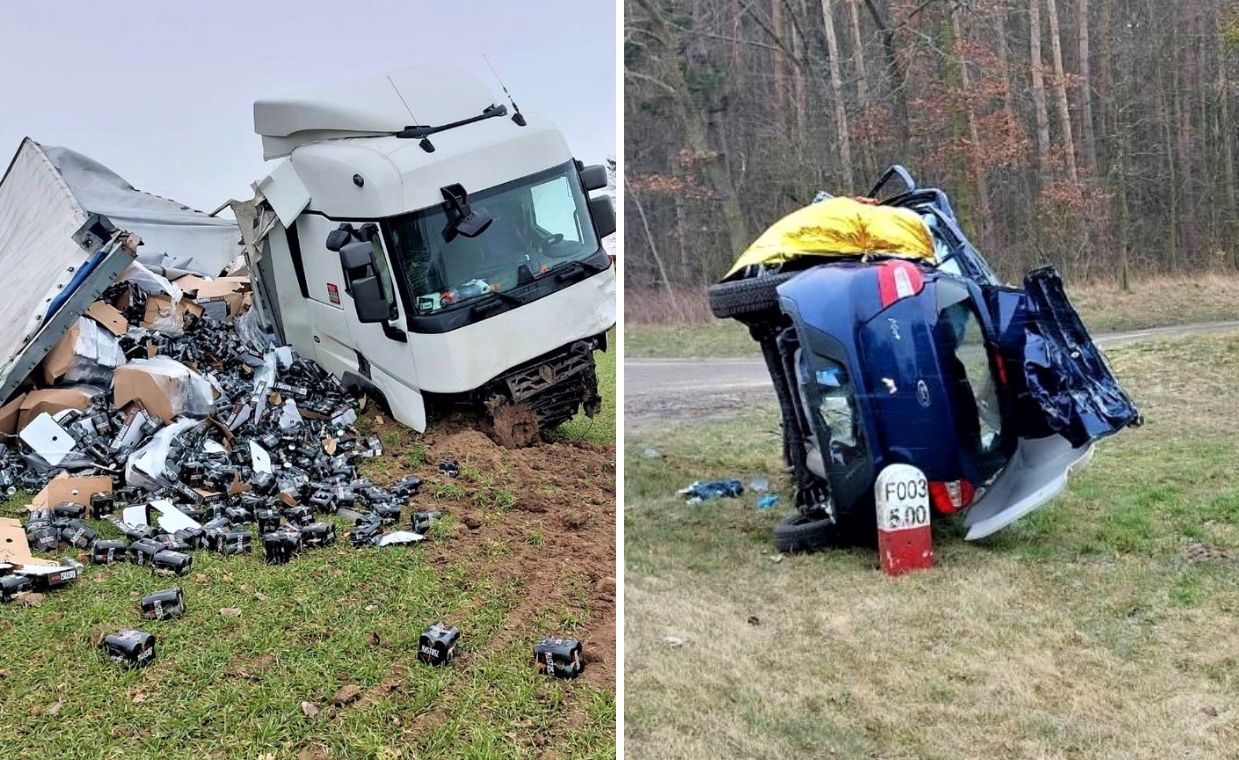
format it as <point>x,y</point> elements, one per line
<point>603,212</point>
<point>593,177</point>
<point>361,281</point>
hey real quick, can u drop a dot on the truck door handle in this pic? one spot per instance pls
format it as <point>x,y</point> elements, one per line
<point>395,333</point>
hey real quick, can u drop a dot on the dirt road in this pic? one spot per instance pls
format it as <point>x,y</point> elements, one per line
<point>657,391</point>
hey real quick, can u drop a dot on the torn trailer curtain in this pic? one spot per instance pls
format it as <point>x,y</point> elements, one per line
<point>174,236</point>
<point>840,227</point>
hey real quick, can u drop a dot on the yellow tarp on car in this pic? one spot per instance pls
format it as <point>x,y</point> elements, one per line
<point>840,227</point>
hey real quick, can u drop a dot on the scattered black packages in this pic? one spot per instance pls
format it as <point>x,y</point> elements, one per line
<point>279,546</point>
<point>437,644</point>
<point>268,520</point>
<point>299,515</point>
<point>168,562</point>
<point>423,520</point>
<point>12,585</point>
<point>407,487</point>
<point>43,537</point>
<point>46,579</point>
<point>137,532</point>
<point>560,658</point>
<point>238,515</point>
<point>388,514</point>
<point>142,551</point>
<point>231,541</point>
<point>68,511</point>
<point>129,648</point>
<point>193,538</point>
<point>78,534</point>
<point>105,552</point>
<point>318,534</point>
<point>263,482</point>
<point>450,468</point>
<point>368,531</point>
<point>102,504</point>
<point>163,605</point>
<point>323,500</point>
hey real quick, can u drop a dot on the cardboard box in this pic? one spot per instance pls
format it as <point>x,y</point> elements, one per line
<point>9,414</point>
<point>166,389</point>
<point>14,548</point>
<point>160,313</point>
<point>53,400</point>
<point>66,488</point>
<point>230,290</point>
<point>102,353</point>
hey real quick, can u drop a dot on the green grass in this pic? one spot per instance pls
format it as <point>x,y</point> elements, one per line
<point>232,687</point>
<point>1093,628</point>
<point>600,429</point>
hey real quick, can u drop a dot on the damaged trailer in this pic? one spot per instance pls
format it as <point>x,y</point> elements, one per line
<point>890,341</point>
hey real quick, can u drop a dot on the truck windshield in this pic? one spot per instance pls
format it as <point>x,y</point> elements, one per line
<point>540,222</point>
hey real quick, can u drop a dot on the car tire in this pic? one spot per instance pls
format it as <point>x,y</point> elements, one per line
<point>804,533</point>
<point>749,298</point>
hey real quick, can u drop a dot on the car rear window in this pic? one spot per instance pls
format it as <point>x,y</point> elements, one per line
<point>829,397</point>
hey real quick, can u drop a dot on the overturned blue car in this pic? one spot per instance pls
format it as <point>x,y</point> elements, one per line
<point>900,346</point>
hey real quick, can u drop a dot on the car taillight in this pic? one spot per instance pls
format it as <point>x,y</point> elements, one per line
<point>898,279</point>
<point>950,496</point>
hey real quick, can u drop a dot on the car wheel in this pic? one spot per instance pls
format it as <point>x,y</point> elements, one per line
<point>753,297</point>
<point>804,533</point>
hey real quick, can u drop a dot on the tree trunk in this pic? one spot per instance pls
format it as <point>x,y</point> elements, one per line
<point>862,85</point>
<point>709,163</point>
<point>1086,88</point>
<point>798,87</point>
<point>780,65</point>
<point>894,73</point>
<point>1038,91</point>
<point>975,164</point>
<point>1060,88</point>
<point>836,86</point>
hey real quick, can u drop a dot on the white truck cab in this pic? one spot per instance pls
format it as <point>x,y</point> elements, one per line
<point>424,242</point>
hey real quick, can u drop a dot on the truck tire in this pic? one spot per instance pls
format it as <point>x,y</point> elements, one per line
<point>804,533</point>
<point>741,299</point>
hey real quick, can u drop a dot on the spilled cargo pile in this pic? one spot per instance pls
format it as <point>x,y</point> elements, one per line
<point>166,411</point>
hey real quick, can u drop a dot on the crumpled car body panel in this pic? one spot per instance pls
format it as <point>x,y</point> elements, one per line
<point>1077,395</point>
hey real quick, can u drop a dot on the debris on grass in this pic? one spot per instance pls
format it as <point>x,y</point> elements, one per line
<point>437,644</point>
<point>697,491</point>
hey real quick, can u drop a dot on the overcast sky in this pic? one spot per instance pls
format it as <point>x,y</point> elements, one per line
<point>162,92</point>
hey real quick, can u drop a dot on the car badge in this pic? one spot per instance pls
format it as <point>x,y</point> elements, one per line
<point>894,328</point>
<point>922,393</point>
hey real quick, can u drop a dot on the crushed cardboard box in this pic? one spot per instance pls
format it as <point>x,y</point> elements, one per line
<point>163,386</point>
<point>222,298</point>
<point>70,489</point>
<point>88,352</point>
<point>53,400</point>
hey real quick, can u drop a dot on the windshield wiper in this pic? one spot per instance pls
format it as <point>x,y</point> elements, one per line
<point>569,268</point>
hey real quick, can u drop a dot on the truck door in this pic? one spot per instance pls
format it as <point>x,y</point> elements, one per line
<point>382,348</point>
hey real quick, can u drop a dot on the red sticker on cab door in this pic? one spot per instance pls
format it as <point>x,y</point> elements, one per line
<point>333,293</point>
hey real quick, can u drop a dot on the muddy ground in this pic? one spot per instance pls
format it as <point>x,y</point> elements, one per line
<point>544,515</point>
